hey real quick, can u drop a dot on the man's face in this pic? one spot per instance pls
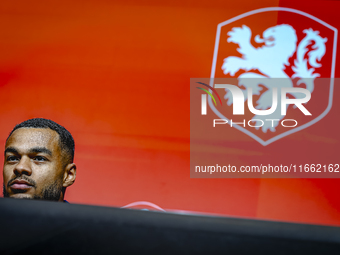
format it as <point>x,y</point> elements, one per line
<point>33,165</point>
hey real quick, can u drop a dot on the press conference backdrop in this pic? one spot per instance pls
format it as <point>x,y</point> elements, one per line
<point>117,75</point>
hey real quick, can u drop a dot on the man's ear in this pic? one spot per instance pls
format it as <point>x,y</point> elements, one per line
<point>69,175</point>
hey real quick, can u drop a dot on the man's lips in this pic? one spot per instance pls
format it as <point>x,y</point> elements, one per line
<point>20,184</point>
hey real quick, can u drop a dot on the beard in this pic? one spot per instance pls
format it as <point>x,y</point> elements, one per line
<point>51,192</point>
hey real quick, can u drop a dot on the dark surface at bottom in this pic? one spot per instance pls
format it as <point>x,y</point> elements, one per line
<point>41,227</point>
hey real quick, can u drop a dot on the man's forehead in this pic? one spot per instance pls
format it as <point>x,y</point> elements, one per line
<point>26,138</point>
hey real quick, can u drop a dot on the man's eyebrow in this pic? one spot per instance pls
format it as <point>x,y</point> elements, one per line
<point>11,149</point>
<point>32,150</point>
<point>40,150</point>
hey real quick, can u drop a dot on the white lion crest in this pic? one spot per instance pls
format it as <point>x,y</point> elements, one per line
<point>280,43</point>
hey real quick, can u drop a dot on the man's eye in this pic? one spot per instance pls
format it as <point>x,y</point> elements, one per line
<point>12,158</point>
<point>39,158</point>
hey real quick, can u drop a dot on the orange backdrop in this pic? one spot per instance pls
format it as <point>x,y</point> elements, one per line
<point>117,75</point>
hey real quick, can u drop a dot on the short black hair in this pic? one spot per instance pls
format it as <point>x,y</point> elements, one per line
<point>65,138</point>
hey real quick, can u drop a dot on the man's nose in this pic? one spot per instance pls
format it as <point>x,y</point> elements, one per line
<point>23,167</point>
